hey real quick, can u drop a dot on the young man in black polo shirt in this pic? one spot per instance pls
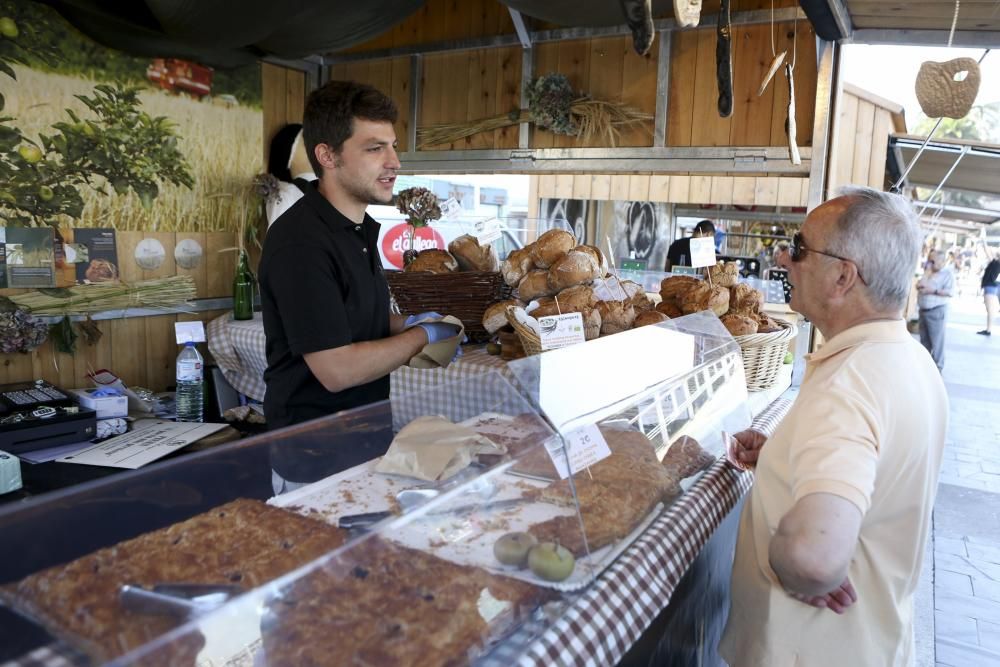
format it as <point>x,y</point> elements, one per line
<point>679,253</point>
<point>331,340</point>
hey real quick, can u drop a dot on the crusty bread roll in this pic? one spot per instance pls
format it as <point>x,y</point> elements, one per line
<point>599,258</point>
<point>766,324</point>
<point>577,298</point>
<point>471,256</point>
<point>725,274</point>
<point>616,316</point>
<point>534,285</point>
<point>495,317</point>
<point>516,266</point>
<point>648,317</point>
<point>591,324</point>
<point>739,325</point>
<point>670,309</point>
<point>641,302</point>
<point>433,260</point>
<point>706,297</point>
<point>550,246</point>
<point>745,300</point>
<point>573,268</point>
<point>675,287</point>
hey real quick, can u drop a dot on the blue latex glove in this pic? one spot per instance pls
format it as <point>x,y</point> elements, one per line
<point>422,317</point>
<point>438,331</point>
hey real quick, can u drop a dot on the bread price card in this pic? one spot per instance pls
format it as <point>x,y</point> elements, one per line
<point>584,447</point>
<point>702,251</point>
<point>558,331</point>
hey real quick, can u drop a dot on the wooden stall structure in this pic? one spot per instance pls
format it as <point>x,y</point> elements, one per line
<point>859,142</point>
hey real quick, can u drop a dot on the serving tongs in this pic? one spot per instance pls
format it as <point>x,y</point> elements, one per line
<point>181,600</point>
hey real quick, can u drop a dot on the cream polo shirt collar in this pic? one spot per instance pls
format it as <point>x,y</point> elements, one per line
<point>880,331</point>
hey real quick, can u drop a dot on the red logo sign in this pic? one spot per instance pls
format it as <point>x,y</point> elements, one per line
<point>397,240</point>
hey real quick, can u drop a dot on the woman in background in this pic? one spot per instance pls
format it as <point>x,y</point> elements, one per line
<point>990,288</point>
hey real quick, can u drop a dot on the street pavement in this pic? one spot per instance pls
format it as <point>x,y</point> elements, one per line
<point>966,544</point>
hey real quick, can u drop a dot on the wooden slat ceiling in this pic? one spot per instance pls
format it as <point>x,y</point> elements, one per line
<point>974,15</point>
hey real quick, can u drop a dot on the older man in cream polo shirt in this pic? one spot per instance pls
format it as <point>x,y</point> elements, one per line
<point>832,536</point>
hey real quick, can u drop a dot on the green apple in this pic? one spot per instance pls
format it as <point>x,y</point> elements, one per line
<point>45,193</point>
<point>513,548</point>
<point>8,28</point>
<point>551,561</point>
<point>789,358</point>
<point>31,154</point>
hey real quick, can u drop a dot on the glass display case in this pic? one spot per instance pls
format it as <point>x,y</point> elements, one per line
<point>492,509</point>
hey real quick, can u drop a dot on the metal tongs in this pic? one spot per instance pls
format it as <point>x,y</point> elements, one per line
<point>181,600</point>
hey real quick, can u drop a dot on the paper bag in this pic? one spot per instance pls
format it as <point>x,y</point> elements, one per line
<point>433,448</point>
<point>439,354</point>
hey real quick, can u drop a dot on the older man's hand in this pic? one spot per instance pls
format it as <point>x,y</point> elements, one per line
<point>748,444</point>
<point>837,600</point>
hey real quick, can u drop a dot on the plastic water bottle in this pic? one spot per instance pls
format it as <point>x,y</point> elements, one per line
<point>190,373</point>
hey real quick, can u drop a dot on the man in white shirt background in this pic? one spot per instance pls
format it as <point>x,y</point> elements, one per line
<point>934,291</point>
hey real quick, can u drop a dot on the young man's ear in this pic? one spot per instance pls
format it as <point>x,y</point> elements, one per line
<point>325,156</point>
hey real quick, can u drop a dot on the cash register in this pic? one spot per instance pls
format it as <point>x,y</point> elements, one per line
<point>37,415</point>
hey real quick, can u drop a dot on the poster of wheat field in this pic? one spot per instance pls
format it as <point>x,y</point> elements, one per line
<point>93,137</point>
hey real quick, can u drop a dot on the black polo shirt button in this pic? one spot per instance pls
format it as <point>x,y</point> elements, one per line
<point>364,250</point>
<point>358,228</point>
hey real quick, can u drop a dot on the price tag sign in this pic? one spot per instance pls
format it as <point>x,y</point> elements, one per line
<point>586,447</point>
<point>451,209</point>
<point>487,231</point>
<point>702,251</point>
<point>189,331</point>
<point>678,270</point>
<point>561,330</point>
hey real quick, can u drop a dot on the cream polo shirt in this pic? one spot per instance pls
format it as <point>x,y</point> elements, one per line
<point>869,426</point>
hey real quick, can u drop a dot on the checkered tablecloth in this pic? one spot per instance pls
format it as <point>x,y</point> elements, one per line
<point>238,349</point>
<point>603,623</point>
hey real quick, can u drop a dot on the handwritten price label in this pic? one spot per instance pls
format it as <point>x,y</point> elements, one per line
<point>586,447</point>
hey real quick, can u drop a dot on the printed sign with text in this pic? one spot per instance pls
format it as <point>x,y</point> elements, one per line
<point>558,331</point>
<point>586,447</point>
<point>702,251</point>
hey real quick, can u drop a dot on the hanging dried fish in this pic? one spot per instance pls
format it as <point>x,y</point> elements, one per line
<point>775,65</point>
<point>687,13</point>
<point>724,60</point>
<point>639,16</point>
<point>793,149</point>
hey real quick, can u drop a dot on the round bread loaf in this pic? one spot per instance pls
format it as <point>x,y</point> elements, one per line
<point>495,317</point>
<point>591,324</point>
<point>648,317</point>
<point>516,266</point>
<point>670,309</point>
<point>706,297</point>
<point>573,268</point>
<point>534,285</point>
<point>766,324</point>
<point>550,246</point>
<point>599,259</point>
<point>675,287</point>
<point>745,300</point>
<point>641,302</point>
<point>616,316</point>
<point>578,298</point>
<point>471,256</point>
<point>739,325</point>
<point>433,260</point>
<point>725,274</point>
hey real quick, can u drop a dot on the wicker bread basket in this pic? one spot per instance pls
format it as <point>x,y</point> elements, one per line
<point>530,341</point>
<point>764,354</point>
<point>464,294</point>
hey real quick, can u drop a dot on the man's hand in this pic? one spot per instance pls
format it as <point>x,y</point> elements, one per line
<point>748,445</point>
<point>438,331</point>
<point>422,317</point>
<point>837,600</point>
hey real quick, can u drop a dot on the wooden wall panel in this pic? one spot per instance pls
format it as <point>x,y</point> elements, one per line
<point>283,94</point>
<point>863,129</point>
<point>675,188</point>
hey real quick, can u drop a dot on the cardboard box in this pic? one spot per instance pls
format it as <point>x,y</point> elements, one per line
<point>106,406</point>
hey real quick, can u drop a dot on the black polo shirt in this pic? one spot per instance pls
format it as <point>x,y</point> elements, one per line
<point>321,287</point>
<point>679,252</point>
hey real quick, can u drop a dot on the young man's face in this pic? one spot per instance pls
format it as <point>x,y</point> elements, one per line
<point>367,163</point>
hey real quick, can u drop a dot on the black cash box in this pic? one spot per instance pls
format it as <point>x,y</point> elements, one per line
<point>37,415</point>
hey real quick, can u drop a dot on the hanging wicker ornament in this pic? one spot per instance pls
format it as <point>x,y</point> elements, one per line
<point>941,93</point>
<point>687,13</point>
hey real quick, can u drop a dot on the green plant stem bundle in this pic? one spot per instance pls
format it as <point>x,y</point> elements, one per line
<point>98,297</point>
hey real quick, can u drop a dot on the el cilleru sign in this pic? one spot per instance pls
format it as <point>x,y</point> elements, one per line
<point>396,240</point>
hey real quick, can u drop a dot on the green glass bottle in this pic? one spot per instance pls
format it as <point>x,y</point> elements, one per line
<point>243,288</point>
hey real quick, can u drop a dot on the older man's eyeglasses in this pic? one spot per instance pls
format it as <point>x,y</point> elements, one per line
<point>798,251</point>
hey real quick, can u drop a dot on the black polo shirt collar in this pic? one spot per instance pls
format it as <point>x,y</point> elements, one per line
<point>328,213</point>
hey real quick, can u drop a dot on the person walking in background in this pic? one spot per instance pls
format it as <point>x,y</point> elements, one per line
<point>832,535</point>
<point>934,291</point>
<point>990,287</point>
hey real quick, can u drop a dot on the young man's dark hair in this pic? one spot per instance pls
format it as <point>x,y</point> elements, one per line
<point>705,228</point>
<point>331,110</point>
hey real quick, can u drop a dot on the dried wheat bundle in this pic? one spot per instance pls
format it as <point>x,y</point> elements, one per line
<point>97,297</point>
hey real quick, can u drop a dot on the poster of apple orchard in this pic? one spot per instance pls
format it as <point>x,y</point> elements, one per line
<point>96,138</point>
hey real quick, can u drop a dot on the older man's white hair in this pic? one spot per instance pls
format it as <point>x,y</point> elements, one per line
<point>880,231</point>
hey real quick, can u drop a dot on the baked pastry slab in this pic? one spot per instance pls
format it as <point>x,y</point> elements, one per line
<point>243,542</point>
<point>383,604</point>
